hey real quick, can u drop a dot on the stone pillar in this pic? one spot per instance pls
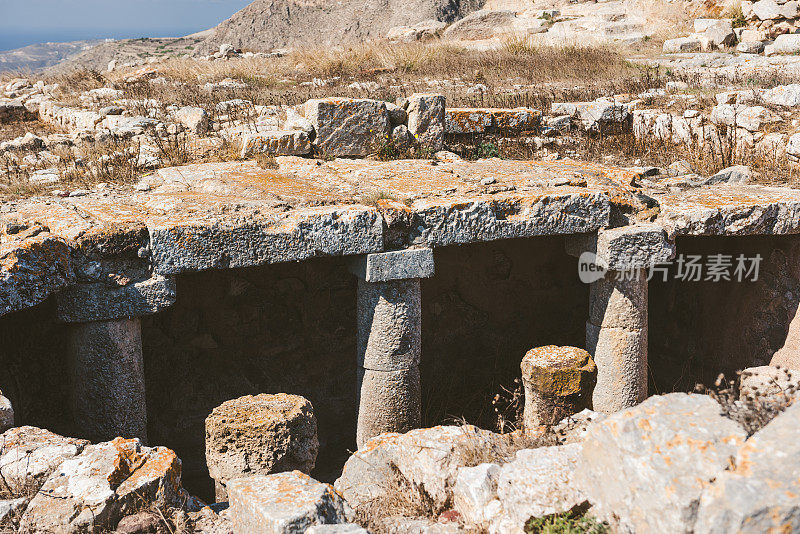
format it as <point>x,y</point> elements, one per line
<point>105,353</point>
<point>558,383</point>
<point>616,332</point>
<point>389,340</point>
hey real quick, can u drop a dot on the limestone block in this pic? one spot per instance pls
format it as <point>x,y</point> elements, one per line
<point>83,303</point>
<point>475,493</point>
<point>426,120</point>
<point>94,490</point>
<point>619,303</point>
<point>788,43</point>
<point>261,435</point>
<point>425,457</point>
<point>347,126</point>
<point>388,401</point>
<point>621,359</point>
<point>539,482</point>
<point>558,383</point>
<point>760,491</point>
<point>107,379</point>
<point>648,465</point>
<point>783,95</point>
<point>750,47</point>
<point>193,118</point>
<point>395,265</point>
<point>29,454</point>
<point>601,113</point>
<point>754,118</point>
<point>278,143</point>
<point>511,122</point>
<point>283,503</point>
<point>467,121</point>
<point>389,325</point>
<point>627,247</point>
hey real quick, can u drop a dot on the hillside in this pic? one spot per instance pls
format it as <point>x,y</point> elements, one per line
<point>268,24</point>
<point>39,56</point>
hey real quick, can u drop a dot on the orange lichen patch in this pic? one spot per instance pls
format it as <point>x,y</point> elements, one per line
<point>128,459</point>
<point>37,256</point>
<point>558,371</point>
<point>729,196</point>
<point>158,463</point>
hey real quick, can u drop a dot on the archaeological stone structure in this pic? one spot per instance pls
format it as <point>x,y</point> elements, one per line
<point>390,294</point>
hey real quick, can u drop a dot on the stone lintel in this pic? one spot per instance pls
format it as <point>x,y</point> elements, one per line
<point>85,303</point>
<point>627,247</point>
<point>395,265</point>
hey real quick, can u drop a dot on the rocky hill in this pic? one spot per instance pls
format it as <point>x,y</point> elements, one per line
<point>39,56</point>
<point>268,24</point>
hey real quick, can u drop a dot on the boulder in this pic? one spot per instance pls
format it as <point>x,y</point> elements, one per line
<point>755,117</point>
<point>194,119</point>
<point>793,151</point>
<point>738,174</point>
<point>426,120</point>
<point>283,503</point>
<point>277,143</point>
<point>647,466</point>
<point>760,492</point>
<point>682,44</point>
<point>6,413</point>
<point>348,126</point>
<point>475,493</point>
<point>30,454</point>
<point>788,43</point>
<point>539,482</point>
<point>142,523</point>
<point>260,435</point>
<point>94,490</point>
<point>427,458</point>
<point>750,47</point>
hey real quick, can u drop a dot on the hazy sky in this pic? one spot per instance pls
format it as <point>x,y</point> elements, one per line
<point>26,21</point>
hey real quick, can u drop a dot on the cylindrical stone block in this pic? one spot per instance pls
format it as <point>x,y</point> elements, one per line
<point>389,341</point>
<point>621,359</point>
<point>619,303</point>
<point>389,324</point>
<point>107,368</point>
<point>558,383</point>
<point>260,435</point>
<point>389,401</point>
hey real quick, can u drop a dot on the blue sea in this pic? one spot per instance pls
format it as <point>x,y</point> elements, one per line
<point>12,38</point>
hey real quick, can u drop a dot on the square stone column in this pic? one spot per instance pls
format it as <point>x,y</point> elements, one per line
<point>105,354</point>
<point>616,332</point>
<point>389,340</point>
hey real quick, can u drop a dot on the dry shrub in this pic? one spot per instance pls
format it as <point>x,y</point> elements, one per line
<point>754,410</point>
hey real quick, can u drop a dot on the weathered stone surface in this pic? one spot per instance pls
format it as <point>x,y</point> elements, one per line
<point>506,122</point>
<point>426,120</point>
<point>737,174</point>
<point>467,120</point>
<point>621,359</point>
<point>31,269</point>
<point>731,210</point>
<point>6,413</point>
<point>395,265</point>
<point>558,383</point>
<point>29,454</point>
<point>261,435</point>
<point>142,523</point>
<point>11,510</point>
<point>193,118</point>
<point>760,492</point>
<point>788,43</point>
<point>427,457</point>
<point>619,303</point>
<point>648,465</point>
<point>277,143</point>
<point>94,490</point>
<point>101,302</point>
<point>479,25</point>
<point>107,379</point>
<point>348,127</point>
<point>475,493</point>
<point>626,247</point>
<point>283,503</point>
<point>769,381</point>
<point>574,428</point>
<point>213,519</point>
<point>539,482</point>
<point>388,401</point>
